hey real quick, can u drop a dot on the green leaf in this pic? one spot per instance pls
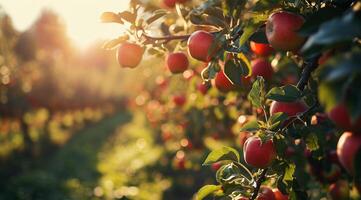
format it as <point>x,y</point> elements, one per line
<point>333,32</point>
<point>128,16</point>
<point>206,191</point>
<point>109,45</point>
<point>156,16</point>
<point>250,126</point>
<point>232,174</point>
<point>110,17</point>
<point>287,93</point>
<point>314,21</point>
<point>276,119</point>
<point>257,93</point>
<point>224,153</point>
<point>234,68</point>
<point>290,170</point>
<point>312,142</point>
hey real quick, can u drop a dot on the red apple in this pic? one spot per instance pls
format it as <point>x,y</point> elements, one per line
<point>169,3</point>
<point>265,193</point>
<point>203,88</point>
<point>279,196</point>
<point>261,67</point>
<point>179,100</point>
<point>222,83</point>
<point>129,54</point>
<point>289,108</point>
<point>347,147</point>
<point>341,117</point>
<point>261,49</point>
<point>216,166</point>
<point>258,154</point>
<point>177,62</point>
<point>339,190</point>
<point>199,44</point>
<point>281,31</point>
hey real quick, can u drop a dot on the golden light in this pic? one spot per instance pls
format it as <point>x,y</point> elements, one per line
<point>81,17</point>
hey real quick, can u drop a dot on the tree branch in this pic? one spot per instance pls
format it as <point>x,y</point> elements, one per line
<point>261,178</point>
<point>308,68</point>
<point>168,38</point>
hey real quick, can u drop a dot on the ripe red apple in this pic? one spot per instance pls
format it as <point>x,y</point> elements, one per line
<point>222,83</point>
<point>261,49</point>
<point>129,54</point>
<point>258,154</point>
<point>290,108</point>
<point>199,44</point>
<point>177,62</point>
<point>341,117</point>
<point>216,166</point>
<point>281,31</point>
<point>265,193</point>
<point>169,3</point>
<point>243,198</point>
<point>261,67</point>
<point>339,190</point>
<point>179,100</point>
<point>347,147</point>
<point>278,194</point>
<point>203,88</point>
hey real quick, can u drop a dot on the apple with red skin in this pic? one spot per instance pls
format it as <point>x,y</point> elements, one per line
<point>129,54</point>
<point>179,100</point>
<point>177,62</point>
<point>339,190</point>
<point>261,49</point>
<point>179,163</point>
<point>281,31</point>
<point>222,83</point>
<point>265,193</point>
<point>289,108</point>
<point>279,195</point>
<point>203,88</point>
<point>216,166</point>
<point>258,154</point>
<point>347,147</point>
<point>341,117</point>
<point>261,67</point>
<point>199,44</point>
<point>169,3</point>
<point>243,198</point>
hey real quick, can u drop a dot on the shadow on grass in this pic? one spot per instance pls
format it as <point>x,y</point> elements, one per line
<point>72,167</point>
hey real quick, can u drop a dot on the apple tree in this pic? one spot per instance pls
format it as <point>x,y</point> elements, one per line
<point>293,68</point>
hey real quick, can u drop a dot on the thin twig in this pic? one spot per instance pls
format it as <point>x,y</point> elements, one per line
<point>261,178</point>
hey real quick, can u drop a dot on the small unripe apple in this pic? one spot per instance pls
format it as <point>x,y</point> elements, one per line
<point>199,44</point>
<point>179,100</point>
<point>281,31</point>
<point>222,83</point>
<point>289,108</point>
<point>258,154</point>
<point>261,67</point>
<point>169,3</point>
<point>347,147</point>
<point>177,62</point>
<point>339,190</point>
<point>129,54</point>
<point>341,117</point>
<point>261,49</point>
<point>265,193</point>
<point>278,194</point>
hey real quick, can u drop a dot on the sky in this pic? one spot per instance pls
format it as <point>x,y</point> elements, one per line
<point>80,16</point>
